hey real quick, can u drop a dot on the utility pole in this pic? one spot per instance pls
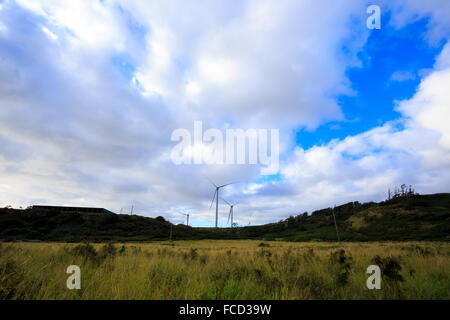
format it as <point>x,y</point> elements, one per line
<point>335,224</point>
<point>132,207</point>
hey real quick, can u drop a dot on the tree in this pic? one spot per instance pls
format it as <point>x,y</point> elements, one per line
<point>403,190</point>
<point>290,220</point>
<point>161,219</point>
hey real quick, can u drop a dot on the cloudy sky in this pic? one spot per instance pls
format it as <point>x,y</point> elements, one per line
<point>91,91</point>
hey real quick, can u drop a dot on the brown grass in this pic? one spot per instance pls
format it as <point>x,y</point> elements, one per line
<point>222,270</point>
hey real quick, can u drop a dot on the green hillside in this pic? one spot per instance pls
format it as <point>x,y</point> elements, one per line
<point>415,217</point>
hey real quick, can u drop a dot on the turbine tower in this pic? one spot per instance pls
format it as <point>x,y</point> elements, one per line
<point>187,217</point>
<point>216,197</point>
<point>231,214</point>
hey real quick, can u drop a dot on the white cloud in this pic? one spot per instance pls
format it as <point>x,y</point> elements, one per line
<point>430,107</point>
<point>239,58</point>
<point>415,150</point>
<point>413,10</point>
<point>93,23</point>
<point>50,34</point>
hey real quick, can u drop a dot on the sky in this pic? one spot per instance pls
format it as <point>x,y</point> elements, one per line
<point>91,92</point>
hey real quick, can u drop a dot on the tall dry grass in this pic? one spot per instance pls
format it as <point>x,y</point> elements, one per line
<point>224,270</point>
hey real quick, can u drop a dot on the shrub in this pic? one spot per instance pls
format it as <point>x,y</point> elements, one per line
<point>86,251</point>
<point>390,268</point>
<point>263,245</point>
<point>193,254</point>
<point>108,250</point>
<point>340,264</point>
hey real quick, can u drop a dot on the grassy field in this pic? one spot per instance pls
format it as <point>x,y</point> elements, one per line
<point>225,270</point>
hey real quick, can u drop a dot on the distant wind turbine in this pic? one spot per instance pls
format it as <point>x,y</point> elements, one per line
<point>216,197</point>
<point>231,214</point>
<point>187,217</point>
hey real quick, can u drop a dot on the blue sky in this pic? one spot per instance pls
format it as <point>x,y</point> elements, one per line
<point>91,92</point>
<point>386,51</point>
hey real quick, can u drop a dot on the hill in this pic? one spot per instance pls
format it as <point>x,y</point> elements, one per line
<point>415,217</point>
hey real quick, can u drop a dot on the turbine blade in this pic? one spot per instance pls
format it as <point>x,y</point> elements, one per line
<point>236,182</point>
<point>225,201</point>
<point>229,215</point>
<point>224,185</point>
<point>215,192</point>
<point>211,181</point>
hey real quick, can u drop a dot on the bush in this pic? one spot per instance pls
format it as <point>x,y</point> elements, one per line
<point>108,250</point>
<point>193,254</point>
<point>86,251</point>
<point>390,268</point>
<point>340,264</point>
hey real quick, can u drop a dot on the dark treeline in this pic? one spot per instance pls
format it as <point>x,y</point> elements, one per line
<point>403,216</point>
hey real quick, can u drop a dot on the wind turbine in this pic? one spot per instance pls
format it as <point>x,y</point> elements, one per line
<point>216,196</point>
<point>187,217</point>
<point>231,214</point>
